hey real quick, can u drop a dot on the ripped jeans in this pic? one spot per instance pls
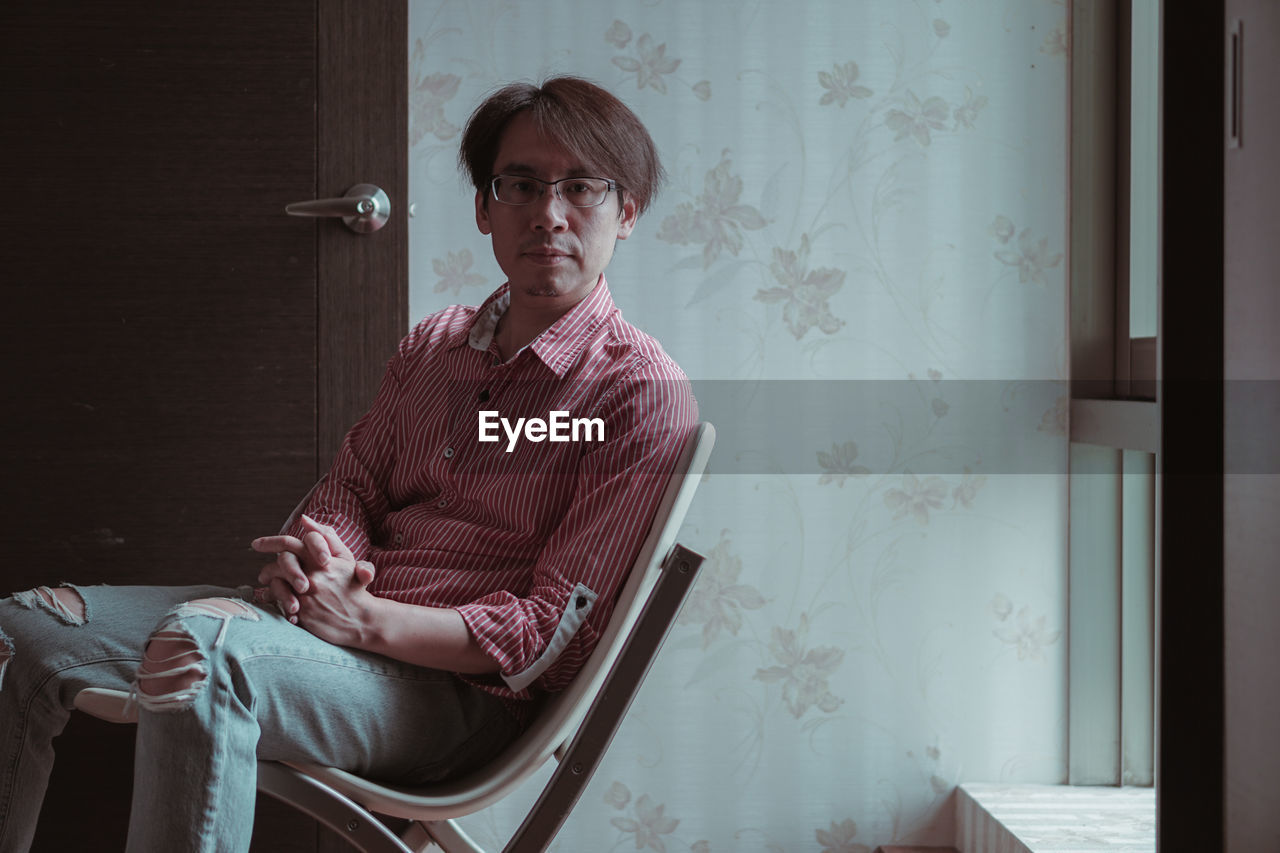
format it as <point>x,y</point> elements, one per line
<point>219,684</point>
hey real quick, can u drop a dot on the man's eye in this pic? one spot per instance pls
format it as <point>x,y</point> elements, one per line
<point>579,187</point>
<point>522,186</point>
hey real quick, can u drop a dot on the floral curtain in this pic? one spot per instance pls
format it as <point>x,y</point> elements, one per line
<point>859,261</point>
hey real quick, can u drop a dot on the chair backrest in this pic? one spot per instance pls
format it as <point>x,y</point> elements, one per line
<point>562,713</point>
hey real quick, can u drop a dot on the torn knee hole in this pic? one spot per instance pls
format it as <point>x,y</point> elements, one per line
<point>173,668</point>
<point>172,671</point>
<point>65,602</point>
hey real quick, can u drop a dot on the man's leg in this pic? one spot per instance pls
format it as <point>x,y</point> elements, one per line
<point>224,683</point>
<point>53,643</point>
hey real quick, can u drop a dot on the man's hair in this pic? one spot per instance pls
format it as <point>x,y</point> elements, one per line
<point>592,124</point>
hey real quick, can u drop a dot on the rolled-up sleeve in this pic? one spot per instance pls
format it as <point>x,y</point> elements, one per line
<point>542,638</point>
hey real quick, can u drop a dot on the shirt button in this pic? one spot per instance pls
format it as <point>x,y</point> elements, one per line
<point>448,453</point>
<point>443,503</point>
<point>399,538</point>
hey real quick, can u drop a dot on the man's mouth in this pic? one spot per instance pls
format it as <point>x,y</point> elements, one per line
<point>546,255</point>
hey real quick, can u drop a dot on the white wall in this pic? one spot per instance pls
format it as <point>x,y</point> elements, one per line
<point>860,192</point>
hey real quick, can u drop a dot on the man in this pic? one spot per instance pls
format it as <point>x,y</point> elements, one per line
<point>442,575</point>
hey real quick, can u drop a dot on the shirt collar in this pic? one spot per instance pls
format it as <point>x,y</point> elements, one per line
<point>561,342</point>
<point>486,319</point>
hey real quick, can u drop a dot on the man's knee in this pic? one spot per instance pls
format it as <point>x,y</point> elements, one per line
<point>65,602</point>
<point>174,666</point>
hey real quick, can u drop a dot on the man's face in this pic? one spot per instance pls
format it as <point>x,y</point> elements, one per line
<point>552,253</point>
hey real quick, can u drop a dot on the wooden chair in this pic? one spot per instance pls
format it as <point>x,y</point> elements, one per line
<point>575,725</point>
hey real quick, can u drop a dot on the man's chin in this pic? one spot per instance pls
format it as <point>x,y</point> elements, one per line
<point>550,289</point>
<point>542,291</point>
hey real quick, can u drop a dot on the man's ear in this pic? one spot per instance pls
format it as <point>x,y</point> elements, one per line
<point>629,216</point>
<point>482,213</point>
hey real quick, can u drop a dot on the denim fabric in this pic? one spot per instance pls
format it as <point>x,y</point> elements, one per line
<point>266,689</point>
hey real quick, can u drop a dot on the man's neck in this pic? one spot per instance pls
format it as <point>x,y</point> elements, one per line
<point>522,322</point>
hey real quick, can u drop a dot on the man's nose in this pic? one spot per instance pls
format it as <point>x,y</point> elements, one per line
<point>549,211</point>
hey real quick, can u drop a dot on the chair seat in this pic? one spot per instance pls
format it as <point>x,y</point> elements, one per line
<point>106,704</point>
<point>443,800</point>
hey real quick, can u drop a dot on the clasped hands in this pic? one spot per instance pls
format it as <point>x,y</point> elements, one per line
<point>317,583</point>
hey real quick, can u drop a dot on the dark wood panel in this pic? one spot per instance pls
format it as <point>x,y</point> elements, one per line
<point>158,336</point>
<point>157,342</point>
<point>92,756</point>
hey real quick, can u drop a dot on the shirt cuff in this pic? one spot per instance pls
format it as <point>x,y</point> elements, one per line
<point>577,608</point>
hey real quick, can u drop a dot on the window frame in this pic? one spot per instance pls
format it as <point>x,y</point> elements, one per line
<point>1114,449</point>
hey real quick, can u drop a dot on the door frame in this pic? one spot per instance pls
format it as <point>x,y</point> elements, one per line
<point>363,284</point>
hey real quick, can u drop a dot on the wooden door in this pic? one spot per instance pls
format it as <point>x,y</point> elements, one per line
<point>180,358</point>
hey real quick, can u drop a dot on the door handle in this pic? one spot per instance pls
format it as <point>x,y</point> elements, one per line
<point>364,209</point>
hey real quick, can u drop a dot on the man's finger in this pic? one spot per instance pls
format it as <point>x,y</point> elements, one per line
<point>286,601</point>
<point>287,569</point>
<point>277,544</point>
<point>291,571</point>
<point>336,546</point>
<point>364,572</point>
<point>317,548</point>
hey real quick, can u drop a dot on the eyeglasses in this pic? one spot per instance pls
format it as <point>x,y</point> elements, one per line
<point>579,192</point>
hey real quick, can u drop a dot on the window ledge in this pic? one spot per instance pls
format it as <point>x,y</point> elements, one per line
<point>994,818</point>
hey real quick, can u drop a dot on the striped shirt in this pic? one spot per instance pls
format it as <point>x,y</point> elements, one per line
<point>529,540</point>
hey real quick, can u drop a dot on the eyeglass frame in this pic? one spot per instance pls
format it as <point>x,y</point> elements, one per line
<point>555,186</point>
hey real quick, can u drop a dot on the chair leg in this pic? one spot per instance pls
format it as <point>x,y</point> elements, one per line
<point>341,814</point>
